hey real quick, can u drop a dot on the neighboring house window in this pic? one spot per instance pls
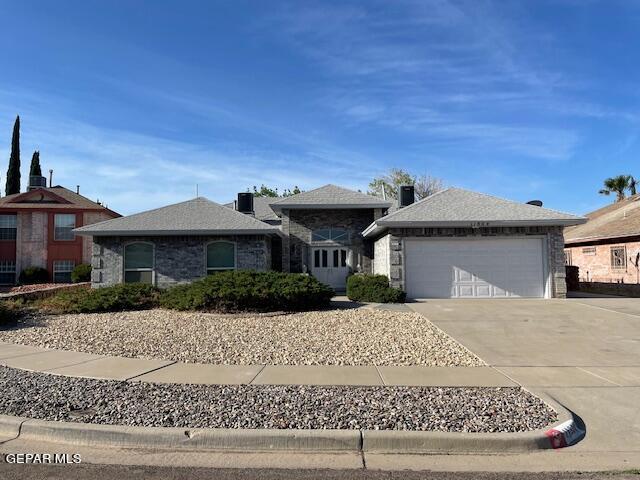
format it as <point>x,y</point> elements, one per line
<point>589,251</point>
<point>567,257</point>
<point>618,257</point>
<point>330,235</point>
<point>138,263</point>
<point>221,256</point>
<point>7,272</point>
<point>64,225</point>
<point>62,271</point>
<point>7,227</point>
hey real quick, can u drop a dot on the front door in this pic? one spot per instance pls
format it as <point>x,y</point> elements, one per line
<point>329,265</point>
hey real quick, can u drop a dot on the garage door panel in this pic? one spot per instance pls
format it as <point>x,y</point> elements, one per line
<point>482,268</point>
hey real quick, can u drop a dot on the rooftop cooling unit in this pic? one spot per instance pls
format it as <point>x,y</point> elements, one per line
<point>245,202</point>
<point>406,195</point>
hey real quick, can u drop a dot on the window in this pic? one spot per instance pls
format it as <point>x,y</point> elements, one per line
<point>589,251</point>
<point>138,263</point>
<point>330,235</point>
<point>62,271</point>
<point>618,258</point>
<point>221,256</point>
<point>7,227</point>
<point>7,272</point>
<point>64,225</point>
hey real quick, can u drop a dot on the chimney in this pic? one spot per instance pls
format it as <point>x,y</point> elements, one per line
<point>245,203</point>
<point>36,181</point>
<point>406,195</point>
<point>50,178</point>
<point>535,203</point>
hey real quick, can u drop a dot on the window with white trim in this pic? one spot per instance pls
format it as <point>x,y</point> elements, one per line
<point>221,255</point>
<point>62,271</point>
<point>330,234</point>
<point>138,263</point>
<point>7,227</point>
<point>618,258</point>
<point>64,223</point>
<point>7,272</point>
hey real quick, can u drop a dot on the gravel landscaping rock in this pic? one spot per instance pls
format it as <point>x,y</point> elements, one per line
<point>336,337</point>
<point>51,397</point>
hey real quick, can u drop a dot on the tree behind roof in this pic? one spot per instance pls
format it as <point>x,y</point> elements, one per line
<point>13,172</point>
<point>35,170</point>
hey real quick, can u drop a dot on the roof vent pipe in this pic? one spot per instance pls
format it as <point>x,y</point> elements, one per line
<point>406,195</point>
<point>50,178</point>
<point>245,203</point>
<point>535,203</point>
<point>78,189</point>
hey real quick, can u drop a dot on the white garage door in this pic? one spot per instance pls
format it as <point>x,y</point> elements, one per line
<point>479,268</point>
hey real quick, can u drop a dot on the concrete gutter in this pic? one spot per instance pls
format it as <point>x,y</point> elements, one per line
<point>211,439</point>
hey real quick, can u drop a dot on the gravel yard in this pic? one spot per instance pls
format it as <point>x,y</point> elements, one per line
<point>336,337</point>
<point>51,397</point>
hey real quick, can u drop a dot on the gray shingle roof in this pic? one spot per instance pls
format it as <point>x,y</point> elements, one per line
<point>330,196</point>
<point>456,207</point>
<point>262,208</point>
<point>193,217</point>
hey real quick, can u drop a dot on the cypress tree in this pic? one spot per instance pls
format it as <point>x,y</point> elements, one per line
<point>35,170</point>
<point>13,173</point>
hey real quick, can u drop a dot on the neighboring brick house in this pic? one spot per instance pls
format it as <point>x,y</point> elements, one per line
<point>36,230</point>
<point>455,243</point>
<point>607,247</point>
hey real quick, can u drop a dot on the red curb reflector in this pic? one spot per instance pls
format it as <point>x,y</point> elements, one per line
<point>564,435</point>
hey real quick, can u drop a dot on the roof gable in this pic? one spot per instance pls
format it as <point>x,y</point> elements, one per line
<point>330,196</point>
<point>56,197</point>
<point>458,207</point>
<point>193,217</point>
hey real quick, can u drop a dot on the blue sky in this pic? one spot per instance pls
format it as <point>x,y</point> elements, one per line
<point>137,101</point>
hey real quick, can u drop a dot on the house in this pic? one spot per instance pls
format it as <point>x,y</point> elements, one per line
<point>36,230</point>
<point>607,247</point>
<point>456,243</point>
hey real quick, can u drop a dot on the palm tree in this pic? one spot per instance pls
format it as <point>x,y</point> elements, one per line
<point>619,185</point>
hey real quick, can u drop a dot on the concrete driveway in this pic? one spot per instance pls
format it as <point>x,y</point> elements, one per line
<point>584,352</point>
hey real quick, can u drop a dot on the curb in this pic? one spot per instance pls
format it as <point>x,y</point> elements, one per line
<point>563,433</point>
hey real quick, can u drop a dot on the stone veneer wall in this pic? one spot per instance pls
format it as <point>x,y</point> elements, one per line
<point>179,259</point>
<point>298,225</point>
<point>554,244</point>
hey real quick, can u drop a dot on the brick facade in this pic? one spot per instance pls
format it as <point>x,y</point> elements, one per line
<point>554,248</point>
<point>595,263</point>
<point>179,259</point>
<point>298,225</point>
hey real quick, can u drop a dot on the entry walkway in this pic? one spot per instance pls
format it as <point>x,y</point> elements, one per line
<point>77,364</point>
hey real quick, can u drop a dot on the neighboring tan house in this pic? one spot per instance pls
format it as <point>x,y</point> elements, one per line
<point>607,247</point>
<point>454,244</point>
<point>36,230</point>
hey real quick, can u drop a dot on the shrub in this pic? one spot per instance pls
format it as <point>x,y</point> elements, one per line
<point>248,290</point>
<point>32,275</point>
<point>8,313</point>
<point>81,273</point>
<point>127,296</point>
<point>373,288</point>
<point>573,275</point>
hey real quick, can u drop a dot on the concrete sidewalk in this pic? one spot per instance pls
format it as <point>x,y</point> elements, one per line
<point>77,364</point>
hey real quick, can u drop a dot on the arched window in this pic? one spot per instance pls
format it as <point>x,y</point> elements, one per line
<point>221,256</point>
<point>138,263</point>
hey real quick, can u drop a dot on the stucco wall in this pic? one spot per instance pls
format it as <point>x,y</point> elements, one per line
<point>298,225</point>
<point>89,218</point>
<point>596,266</point>
<point>31,240</point>
<point>381,255</point>
<point>554,248</point>
<point>177,259</point>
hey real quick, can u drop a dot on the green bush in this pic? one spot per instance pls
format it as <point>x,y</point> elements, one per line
<point>8,314</point>
<point>32,275</point>
<point>373,288</point>
<point>81,273</point>
<point>127,296</point>
<point>248,290</point>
